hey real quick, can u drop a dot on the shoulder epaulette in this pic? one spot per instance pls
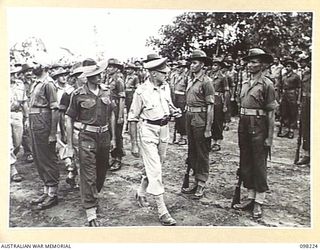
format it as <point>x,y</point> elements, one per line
<point>69,90</point>
<point>267,80</point>
<point>141,88</point>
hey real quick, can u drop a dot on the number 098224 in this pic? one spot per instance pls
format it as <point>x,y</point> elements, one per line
<point>309,246</point>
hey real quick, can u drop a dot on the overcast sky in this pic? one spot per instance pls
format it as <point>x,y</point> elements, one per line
<point>121,33</point>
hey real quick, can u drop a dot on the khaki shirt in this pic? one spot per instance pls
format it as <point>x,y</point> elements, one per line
<point>220,82</point>
<point>131,82</point>
<point>116,86</point>
<point>89,108</point>
<point>17,95</point>
<point>200,91</point>
<point>180,84</point>
<point>258,95</point>
<point>150,102</point>
<point>43,94</point>
<point>291,81</point>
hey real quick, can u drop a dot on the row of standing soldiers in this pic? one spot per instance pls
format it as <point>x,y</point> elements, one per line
<point>89,103</point>
<point>292,82</point>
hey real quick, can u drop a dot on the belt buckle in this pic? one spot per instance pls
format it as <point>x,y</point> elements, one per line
<point>99,129</point>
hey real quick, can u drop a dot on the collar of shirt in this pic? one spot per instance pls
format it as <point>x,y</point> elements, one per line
<point>58,86</point>
<point>86,91</point>
<point>151,85</point>
<point>199,76</point>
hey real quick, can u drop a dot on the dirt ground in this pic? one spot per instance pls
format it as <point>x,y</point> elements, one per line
<point>287,203</point>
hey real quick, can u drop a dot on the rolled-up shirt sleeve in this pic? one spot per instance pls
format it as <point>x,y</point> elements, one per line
<point>136,108</point>
<point>271,102</point>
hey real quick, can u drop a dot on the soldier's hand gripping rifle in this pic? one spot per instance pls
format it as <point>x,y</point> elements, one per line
<point>237,191</point>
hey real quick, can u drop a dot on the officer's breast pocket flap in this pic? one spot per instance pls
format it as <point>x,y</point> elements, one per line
<point>88,104</point>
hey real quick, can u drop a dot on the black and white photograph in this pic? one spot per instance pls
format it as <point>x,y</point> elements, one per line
<point>160,118</point>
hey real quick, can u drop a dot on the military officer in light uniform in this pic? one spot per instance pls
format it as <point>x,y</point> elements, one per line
<point>152,106</point>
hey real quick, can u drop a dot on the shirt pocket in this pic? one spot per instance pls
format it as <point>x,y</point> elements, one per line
<point>257,95</point>
<point>150,109</point>
<point>87,109</point>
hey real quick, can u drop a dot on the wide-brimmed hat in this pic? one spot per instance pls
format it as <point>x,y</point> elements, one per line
<point>291,62</point>
<point>200,55</point>
<point>130,66</point>
<point>25,67</point>
<point>218,60</point>
<point>88,62</point>
<point>258,53</point>
<point>115,62</point>
<point>56,66</point>
<point>14,70</point>
<point>94,69</point>
<point>182,64</point>
<point>59,72</point>
<point>151,57</point>
<point>157,65</point>
<point>76,69</point>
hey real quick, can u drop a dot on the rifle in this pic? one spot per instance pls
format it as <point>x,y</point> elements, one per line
<point>237,191</point>
<point>297,156</point>
<point>185,183</point>
<point>174,133</point>
<point>280,97</point>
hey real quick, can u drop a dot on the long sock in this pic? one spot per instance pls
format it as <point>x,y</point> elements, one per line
<point>260,197</point>
<point>53,191</point>
<point>162,208</point>
<point>91,213</point>
<point>143,186</point>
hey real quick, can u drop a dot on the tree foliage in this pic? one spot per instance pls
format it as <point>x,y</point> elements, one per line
<point>281,33</point>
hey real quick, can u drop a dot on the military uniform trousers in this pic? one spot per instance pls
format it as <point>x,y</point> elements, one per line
<point>153,142</point>
<point>16,120</point>
<point>305,119</point>
<point>180,102</point>
<point>252,133</point>
<point>26,140</point>
<point>198,145</point>
<point>289,108</point>
<point>44,154</point>
<point>94,157</point>
<point>218,119</point>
